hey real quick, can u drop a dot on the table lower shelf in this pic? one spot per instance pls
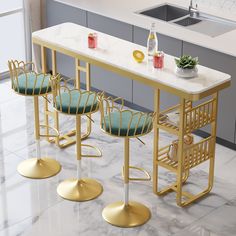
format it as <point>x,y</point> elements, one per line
<point>193,155</point>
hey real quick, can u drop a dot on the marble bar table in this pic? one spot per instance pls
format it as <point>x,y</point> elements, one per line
<point>115,54</point>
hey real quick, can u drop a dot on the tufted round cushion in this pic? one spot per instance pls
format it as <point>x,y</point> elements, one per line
<point>31,84</point>
<point>67,102</point>
<point>128,122</point>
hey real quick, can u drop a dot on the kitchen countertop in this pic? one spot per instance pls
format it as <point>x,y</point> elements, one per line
<point>124,11</point>
<point>116,54</point>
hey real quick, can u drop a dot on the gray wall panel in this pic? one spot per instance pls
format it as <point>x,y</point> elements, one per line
<point>110,26</point>
<point>57,13</point>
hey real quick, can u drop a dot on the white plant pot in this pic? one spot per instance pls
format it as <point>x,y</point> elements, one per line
<point>186,73</point>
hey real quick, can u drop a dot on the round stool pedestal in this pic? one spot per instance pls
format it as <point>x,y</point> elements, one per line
<point>42,168</point>
<point>79,190</point>
<point>131,215</point>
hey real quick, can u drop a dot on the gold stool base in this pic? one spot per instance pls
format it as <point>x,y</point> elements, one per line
<point>42,168</point>
<point>79,190</point>
<point>131,215</point>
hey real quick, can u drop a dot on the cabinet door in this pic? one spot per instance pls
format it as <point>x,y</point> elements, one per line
<point>110,26</point>
<point>58,13</point>
<point>142,94</point>
<point>103,79</point>
<point>227,97</point>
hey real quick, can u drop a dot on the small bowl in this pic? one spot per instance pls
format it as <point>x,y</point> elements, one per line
<point>138,56</point>
<point>186,73</point>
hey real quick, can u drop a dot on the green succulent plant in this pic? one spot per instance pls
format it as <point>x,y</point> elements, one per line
<point>186,62</point>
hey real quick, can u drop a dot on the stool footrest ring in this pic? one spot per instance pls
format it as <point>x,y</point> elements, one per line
<point>146,178</point>
<point>49,135</point>
<point>68,138</point>
<point>98,151</point>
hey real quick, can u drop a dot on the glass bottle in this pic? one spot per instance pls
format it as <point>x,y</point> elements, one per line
<point>152,43</point>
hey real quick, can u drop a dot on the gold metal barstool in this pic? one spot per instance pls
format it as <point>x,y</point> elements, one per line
<point>64,140</point>
<point>125,124</point>
<point>25,81</point>
<point>75,102</point>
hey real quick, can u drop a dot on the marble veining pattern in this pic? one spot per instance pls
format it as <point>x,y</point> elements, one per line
<point>117,53</point>
<point>226,5</point>
<point>33,208</point>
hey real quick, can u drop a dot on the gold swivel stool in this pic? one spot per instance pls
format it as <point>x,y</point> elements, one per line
<point>71,101</point>
<point>125,124</point>
<point>25,81</point>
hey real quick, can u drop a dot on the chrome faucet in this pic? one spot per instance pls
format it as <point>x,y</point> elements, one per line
<point>193,11</point>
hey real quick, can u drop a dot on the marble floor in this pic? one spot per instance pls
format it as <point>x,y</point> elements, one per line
<point>33,208</point>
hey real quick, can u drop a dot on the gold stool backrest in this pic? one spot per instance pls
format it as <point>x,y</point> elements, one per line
<point>61,86</point>
<point>108,105</point>
<point>18,68</point>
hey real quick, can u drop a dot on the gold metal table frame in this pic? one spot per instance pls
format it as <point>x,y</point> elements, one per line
<point>191,118</point>
<point>187,159</point>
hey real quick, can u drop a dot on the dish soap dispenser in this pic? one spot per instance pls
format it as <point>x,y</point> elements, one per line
<point>152,43</point>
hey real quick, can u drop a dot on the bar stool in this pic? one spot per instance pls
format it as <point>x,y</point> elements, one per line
<point>71,101</point>
<point>125,124</point>
<point>25,81</point>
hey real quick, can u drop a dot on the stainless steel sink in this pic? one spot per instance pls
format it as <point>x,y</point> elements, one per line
<point>203,23</point>
<point>207,24</point>
<point>188,21</point>
<point>165,12</point>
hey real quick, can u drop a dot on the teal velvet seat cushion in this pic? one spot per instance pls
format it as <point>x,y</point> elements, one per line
<point>112,124</point>
<point>30,84</point>
<point>71,103</point>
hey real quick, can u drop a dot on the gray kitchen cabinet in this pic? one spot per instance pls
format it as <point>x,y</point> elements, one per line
<point>110,26</point>
<point>58,13</point>
<point>142,94</point>
<point>103,79</point>
<point>226,107</point>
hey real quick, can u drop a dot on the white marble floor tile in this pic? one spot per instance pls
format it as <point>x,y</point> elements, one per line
<point>22,197</point>
<point>6,93</point>
<point>220,222</point>
<point>33,208</point>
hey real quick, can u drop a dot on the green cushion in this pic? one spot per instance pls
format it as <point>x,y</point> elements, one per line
<point>41,87</point>
<point>63,102</point>
<point>127,117</point>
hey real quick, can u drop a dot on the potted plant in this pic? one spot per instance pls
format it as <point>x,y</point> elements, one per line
<point>186,66</point>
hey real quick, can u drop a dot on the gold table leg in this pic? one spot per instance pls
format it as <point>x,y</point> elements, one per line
<point>213,134</point>
<point>156,139</point>
<point>126,213</point>
<point>38,168</point>
<point>180,152</point>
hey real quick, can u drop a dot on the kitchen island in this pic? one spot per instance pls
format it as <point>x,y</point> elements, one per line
<point>115,54</point>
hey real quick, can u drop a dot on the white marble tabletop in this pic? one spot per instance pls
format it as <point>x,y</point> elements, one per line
<point>117,53</point>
